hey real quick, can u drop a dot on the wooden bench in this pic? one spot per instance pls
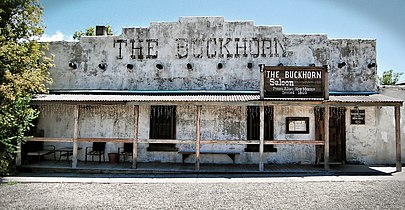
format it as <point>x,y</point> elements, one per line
<point>47,150</point>
<point>231,154</point>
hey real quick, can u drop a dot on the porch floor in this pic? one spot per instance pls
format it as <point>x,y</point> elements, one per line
<point>187,168</point>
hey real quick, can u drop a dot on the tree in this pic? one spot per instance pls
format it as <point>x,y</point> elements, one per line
<point>23,72</point>
<point>389,77</point>
<point>90,31</point>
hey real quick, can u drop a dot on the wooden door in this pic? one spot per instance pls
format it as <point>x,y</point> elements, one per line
<point>337,134</point>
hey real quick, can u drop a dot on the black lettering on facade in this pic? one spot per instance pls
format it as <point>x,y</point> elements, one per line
<point>138,48</point>
<point>152,45</point>
<point>120,41</point>
<point>207,48</point>
<point>266,47</point>
<point>282,47</point>
<point>211,44</point>
<point>197,45</point>
<point>254,45</point>
<point>182,48</point>
<point>224,46</point>
<point>244,47</point>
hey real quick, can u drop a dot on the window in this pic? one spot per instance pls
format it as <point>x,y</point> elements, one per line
<point>253,128</point>
<point>253,123</point>
<point>162,122</point>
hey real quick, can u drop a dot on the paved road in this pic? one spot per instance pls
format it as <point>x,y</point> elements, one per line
<point>197,192</point>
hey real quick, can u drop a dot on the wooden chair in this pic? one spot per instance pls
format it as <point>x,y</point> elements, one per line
<point>96,150</point>
<point>126,151</point>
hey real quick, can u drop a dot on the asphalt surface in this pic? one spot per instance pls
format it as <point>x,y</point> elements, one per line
<point>203,192</point>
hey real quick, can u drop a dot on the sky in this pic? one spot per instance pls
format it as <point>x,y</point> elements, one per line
<point>383,20</point>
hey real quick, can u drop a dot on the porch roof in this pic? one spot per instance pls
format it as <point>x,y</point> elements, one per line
<point>370,100</point>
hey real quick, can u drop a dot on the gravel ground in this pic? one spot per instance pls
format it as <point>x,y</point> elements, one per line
<point>184,195</point>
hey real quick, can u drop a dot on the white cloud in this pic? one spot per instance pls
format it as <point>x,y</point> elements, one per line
<point>58,36</point>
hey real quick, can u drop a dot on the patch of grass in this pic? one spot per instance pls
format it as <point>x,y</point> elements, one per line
<point>11,183</point>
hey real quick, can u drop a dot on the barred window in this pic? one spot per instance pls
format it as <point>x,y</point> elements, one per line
<point>162,122</point>
<point>253,123</point>
<point>253,128</point>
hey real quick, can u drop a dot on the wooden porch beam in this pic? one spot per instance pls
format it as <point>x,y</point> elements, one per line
<point>179,141</point>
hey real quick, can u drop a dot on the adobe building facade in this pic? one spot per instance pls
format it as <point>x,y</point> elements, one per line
<point>155,84</point>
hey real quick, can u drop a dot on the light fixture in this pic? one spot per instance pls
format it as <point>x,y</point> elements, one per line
<point>73,65</point>
<point>312,65</point>
<point>280,64</point>
<point>159,66</point>
<point>341,64</point>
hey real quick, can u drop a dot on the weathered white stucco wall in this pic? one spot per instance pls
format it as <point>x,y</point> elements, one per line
<point>387,123</point>
<point>204,42</point>
<point>217,123</point>
<point>361,140</point>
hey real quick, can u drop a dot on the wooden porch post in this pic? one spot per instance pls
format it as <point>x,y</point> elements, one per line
<point>197,138</point>
<point>75,135</point>
<point>261,146</point>
<point>398,137</point>
<point>18,157</point>
<point>261,81</point>
<point>135,140</point>
<point>261,132</point>
<point>326,138</point>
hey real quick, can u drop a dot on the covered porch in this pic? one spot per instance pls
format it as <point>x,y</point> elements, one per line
<point>80,103</point>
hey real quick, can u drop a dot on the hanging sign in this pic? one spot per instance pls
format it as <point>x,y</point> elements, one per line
<point>294,82</point>
<point>358,117</point>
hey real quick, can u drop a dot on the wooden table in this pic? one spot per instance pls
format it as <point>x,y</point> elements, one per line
<point>66,151</point>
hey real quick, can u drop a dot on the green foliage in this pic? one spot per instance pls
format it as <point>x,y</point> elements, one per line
<point>23,72</point>
<point>15,122</point>
<point>109,30</point>
<point>77,35</point>
<point>389,77</point>
<point>90,31</point>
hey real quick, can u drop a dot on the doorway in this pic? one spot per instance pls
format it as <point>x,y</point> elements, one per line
<point>337,134</point>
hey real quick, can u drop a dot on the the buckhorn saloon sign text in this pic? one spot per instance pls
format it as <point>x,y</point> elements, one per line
<point>294,82</point>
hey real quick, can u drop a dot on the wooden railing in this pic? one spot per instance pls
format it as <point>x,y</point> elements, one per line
<point>179,141</point>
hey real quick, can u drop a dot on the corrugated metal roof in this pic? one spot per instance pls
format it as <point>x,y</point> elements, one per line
<point>294,99</point>
<point>377,98</point>
<point>145,98</point>
<point>203,98</point>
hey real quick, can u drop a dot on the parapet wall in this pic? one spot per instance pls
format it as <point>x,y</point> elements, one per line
<point>206,53</point>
